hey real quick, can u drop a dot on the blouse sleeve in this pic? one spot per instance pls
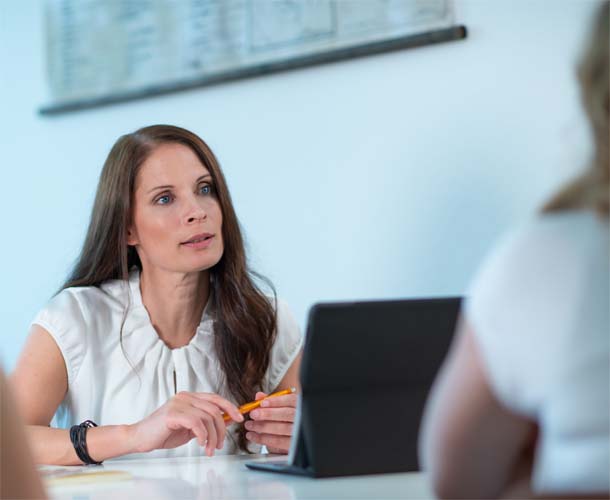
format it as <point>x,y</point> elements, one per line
<point>63,317</point>
<point>486,312</point>
<point>509,306</point>
<point>288,343</point>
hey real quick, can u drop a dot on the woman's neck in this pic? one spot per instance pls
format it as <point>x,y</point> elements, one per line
<point>175,303</point>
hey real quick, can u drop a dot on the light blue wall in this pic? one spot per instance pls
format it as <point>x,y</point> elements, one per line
<point>389,176</point>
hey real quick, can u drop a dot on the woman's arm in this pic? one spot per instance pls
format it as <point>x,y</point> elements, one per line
<point>272,423</point>
<point>291,377</point>
<point>18,475</point>
<point>470,444</point>
<point>40,383</point>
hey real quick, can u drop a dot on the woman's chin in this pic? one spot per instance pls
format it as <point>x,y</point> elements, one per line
<point>197,265</point>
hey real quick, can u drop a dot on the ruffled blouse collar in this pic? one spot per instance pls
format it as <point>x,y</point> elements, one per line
<point>139,335</point>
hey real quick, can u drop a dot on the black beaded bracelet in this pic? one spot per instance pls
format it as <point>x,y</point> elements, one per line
<point>78,436</point>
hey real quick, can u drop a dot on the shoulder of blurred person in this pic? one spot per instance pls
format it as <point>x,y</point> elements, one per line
<point>539,313</point>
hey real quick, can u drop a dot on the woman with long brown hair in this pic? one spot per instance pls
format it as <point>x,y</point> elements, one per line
<point>520,407</point>
<point>161,329</point>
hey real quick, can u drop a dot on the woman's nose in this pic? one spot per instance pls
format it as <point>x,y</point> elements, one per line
<point>195,213</point>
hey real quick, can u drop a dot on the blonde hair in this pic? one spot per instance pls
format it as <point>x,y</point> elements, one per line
<point>591,190</point>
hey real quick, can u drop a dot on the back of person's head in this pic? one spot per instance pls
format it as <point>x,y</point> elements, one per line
<point>592,189</point>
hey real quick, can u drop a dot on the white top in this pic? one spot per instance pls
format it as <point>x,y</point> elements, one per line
<point>111,383</point>
<point>539,308</point>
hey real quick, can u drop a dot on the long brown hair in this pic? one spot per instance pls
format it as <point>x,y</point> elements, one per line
<point>245,319</point>
<point>591,190</point>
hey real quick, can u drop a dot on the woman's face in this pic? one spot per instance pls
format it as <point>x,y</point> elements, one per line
<point>176,222</point>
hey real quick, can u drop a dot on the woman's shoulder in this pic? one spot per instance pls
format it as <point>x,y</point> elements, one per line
<point>286,321</point>
<point>571,229</point>
<point>288,343</point>
<point>84,306</point>
<point>87,300</point>
<point>548,248</point>
<point>279,304</point>
<point>526,295</point>
<point>80,317</point>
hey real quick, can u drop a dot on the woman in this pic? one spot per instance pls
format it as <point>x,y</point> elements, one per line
<point>523,398</point>
<point>160,328</point>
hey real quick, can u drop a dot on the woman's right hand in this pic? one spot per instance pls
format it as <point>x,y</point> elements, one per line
<point>186,416</point>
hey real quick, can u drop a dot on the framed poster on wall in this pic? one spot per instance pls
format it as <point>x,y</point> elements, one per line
<point>101,52</point>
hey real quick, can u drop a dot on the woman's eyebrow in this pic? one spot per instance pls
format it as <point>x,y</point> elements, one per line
<point>160,187</point>
<point>169,186</point>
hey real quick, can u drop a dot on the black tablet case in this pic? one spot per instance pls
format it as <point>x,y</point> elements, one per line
<point>366,371</point>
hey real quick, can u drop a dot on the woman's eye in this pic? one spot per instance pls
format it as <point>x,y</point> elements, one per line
<point>163,200</point>
<point>205,189</point>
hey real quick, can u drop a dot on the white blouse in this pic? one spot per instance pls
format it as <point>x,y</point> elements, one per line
<point>114,380</point>
<point>539,309</point>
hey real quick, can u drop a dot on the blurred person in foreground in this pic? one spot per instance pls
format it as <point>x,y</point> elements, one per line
<point>521,405</point>
<point>18,475</point>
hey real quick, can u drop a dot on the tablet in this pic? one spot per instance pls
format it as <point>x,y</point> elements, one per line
<point>365,375</point>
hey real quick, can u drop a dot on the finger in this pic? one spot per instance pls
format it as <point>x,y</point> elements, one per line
<point>212,436</point>
<point>270,441</point>
<point>266,427</point>
<point>207,421</point>
<point>184,420</point>
<point>225,406</point>
<point>278,401</point>
<point>275,414</point>
<point>216,419</point>
<point>260,395</point>
<point>200,433</point>
<point>222,403</point>
<point>221,430</point>
<point>203,415</point>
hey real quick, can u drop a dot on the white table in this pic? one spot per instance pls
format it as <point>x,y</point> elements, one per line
<point>225,477</point>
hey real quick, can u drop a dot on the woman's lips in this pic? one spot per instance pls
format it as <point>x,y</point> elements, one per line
<point>200,242</point>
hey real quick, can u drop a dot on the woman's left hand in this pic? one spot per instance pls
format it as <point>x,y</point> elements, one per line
<point>272,422</point>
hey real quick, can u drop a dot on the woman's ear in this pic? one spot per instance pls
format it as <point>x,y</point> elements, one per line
<point>132,237</point>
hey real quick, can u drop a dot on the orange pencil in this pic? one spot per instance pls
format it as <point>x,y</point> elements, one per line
<point>248,407</point>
